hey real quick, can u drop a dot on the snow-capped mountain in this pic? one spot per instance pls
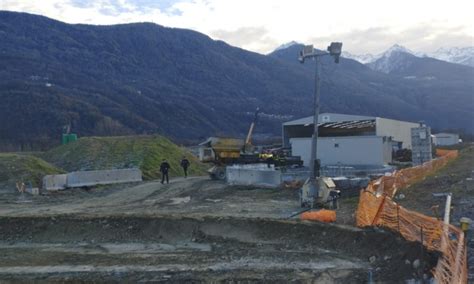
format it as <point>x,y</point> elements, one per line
<point>393,58</point>
<point>394,49</point>
<point>368,57</point>
<point>459,55</point>
<point>402,63</point>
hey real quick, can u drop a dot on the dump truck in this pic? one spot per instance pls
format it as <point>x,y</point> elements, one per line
<point>224,151</point>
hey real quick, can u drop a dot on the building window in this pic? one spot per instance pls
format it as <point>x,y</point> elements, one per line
<point>336,145</point>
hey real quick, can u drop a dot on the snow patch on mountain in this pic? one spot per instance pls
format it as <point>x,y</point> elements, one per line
<point>286,45</point>
<point>393,58</point>
<point>395,49</point>
<point>369,58</point>
<point>364,58</point>
<point>459,55</point>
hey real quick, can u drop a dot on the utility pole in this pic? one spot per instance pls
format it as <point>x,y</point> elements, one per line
<point>310,190</point>
<point>315,166</point>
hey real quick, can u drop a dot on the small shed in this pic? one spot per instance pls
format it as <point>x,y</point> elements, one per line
<point>445,139</point>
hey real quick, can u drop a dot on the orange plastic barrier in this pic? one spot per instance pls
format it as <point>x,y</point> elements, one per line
<point>389,185</point>
<point>376,208</point>
<point>322,215</point>
<point>445,153</point>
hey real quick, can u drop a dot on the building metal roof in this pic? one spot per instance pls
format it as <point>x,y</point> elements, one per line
<point>328,117</point>
<point>354,124</point>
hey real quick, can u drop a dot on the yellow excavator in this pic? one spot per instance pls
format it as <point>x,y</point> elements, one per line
<point>224,151</point>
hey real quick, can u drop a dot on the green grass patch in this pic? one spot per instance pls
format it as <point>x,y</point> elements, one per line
<point>144,152</point>
<point>25,168</point>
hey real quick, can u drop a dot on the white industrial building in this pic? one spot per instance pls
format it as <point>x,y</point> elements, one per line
<point>445,139</point>
<point>348,139</point>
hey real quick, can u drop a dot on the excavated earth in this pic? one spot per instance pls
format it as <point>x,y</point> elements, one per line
<point>193,231</point>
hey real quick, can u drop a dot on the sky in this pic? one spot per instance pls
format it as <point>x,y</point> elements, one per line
<point>364,26</point>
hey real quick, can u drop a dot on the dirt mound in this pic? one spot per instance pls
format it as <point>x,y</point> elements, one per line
<point>204,249</point>
<point>101,153</point>
<point>25,168</point>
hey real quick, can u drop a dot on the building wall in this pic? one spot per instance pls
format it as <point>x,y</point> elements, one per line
<point>398,130</point>
<point>354,150</point>
<point>445,139</point>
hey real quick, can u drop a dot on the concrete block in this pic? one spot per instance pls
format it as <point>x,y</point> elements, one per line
<point>55,182</point>
<point>92,178</point>
<point>259,175</point>
<point>33,190</point>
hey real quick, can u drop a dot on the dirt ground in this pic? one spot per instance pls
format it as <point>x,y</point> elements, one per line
<point>192,230</point>
<point>456,178</point>
<point>192,196</point>
<point>204,249</point>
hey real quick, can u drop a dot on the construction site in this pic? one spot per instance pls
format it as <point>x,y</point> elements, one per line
<point>343,199</point>
<point>193,230</point>
<point>249,224</point>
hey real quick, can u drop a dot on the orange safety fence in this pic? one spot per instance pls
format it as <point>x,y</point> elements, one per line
<point>376,208</point>
<point>389,185</point>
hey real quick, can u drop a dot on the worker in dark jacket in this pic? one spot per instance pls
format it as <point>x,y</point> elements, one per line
<point>164,168</point>
<point>185,165</point>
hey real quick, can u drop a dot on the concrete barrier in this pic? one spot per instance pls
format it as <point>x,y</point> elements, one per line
<point>253,174</point>
<point>55,182</point>
<point>91,178</point>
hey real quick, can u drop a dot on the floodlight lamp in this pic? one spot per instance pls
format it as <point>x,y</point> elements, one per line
<point>335,48</point>
<point>308,50</point>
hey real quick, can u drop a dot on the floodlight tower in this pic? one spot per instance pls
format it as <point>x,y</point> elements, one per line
<point>310,191</point>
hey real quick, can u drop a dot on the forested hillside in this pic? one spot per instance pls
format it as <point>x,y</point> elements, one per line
<point>144,78</point>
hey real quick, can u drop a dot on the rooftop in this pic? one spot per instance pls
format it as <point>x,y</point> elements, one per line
<point>329,117</point>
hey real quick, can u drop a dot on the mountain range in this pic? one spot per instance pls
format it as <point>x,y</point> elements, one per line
<point>458,55</point>
<point>145,78</point>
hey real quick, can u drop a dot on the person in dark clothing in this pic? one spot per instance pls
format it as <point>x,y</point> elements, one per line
<point>164,168</point>
<point>185,165</point>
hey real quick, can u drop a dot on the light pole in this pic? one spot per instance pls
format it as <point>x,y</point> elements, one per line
<point>310,190</point>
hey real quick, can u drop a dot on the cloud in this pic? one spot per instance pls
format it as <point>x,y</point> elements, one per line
<point>363,25</point>
<point>251,38</point>
<point>425,37</point>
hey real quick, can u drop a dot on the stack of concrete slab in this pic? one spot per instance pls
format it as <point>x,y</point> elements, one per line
<point>55,182</point>
<point>91,178</point>
<point>253,174</point>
